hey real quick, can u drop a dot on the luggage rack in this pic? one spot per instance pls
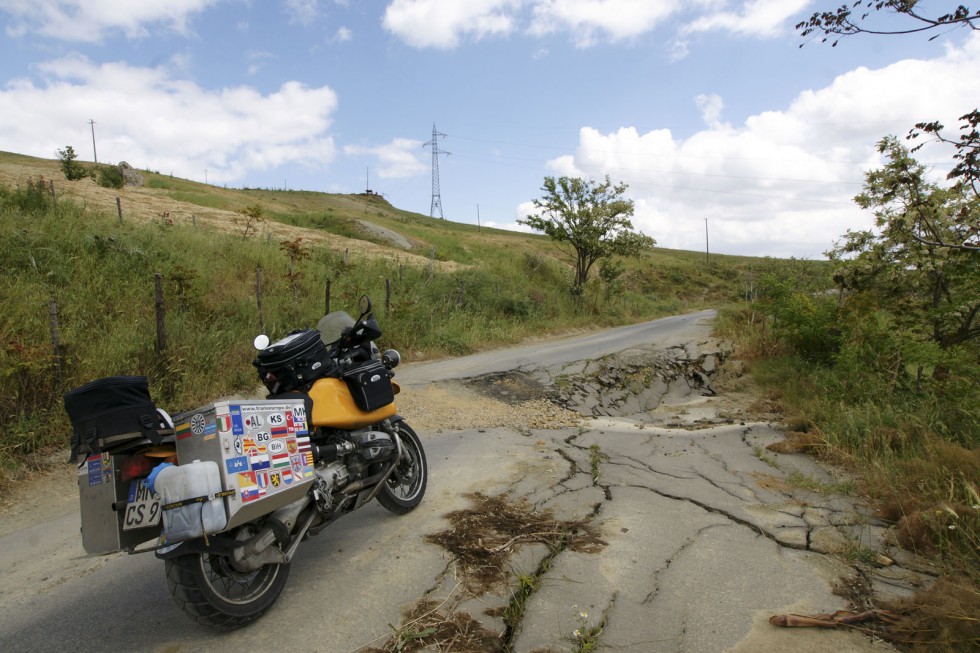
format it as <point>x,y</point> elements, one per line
<point>126,443</point>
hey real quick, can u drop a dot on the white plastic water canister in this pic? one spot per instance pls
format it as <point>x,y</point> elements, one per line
<point>183,484</point>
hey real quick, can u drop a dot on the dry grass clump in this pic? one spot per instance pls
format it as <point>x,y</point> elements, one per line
<point>427,628</point>
<point>942,619</point>
<point>482,537</point>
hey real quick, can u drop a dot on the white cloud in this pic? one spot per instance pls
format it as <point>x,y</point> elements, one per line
<point>91,20</point>
<point>149,118</point>
<point>756,17</point>
<point>710,107</point>
<point>342,35</point>
<point>399,159</point>
<point>303,12</point>
<point>783,179</point>
<point>446,23</point>
<point>442,23</point>
<point>587,20</point>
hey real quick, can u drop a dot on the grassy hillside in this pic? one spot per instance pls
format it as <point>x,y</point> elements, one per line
<point>457,289</point>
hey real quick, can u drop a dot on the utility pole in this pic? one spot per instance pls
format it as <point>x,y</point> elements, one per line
<point>436,197</point>
<point>707,260</point>
<point>95,154</point>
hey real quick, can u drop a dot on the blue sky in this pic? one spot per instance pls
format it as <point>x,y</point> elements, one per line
<point>707,109</point>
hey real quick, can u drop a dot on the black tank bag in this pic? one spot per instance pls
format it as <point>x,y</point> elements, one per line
<point>294,362</point>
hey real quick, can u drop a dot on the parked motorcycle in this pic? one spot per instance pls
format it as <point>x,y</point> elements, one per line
<point>229,491</point>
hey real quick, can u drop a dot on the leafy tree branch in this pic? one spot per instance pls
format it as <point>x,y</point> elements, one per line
<point>850,19</point>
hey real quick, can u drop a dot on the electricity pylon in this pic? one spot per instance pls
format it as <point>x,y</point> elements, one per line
<point>436,197</point>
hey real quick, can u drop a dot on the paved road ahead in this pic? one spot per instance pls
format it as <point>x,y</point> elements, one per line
<point>704,543</point>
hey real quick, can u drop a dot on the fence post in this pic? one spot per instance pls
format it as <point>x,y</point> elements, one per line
<point>119,208</point>
<point>432,262</point>
<point>258,297</point>
<point>161,313</point>
<point>55,338</point>
<point>51,184</point>
<point>327,297</point>
<point>387,297</point>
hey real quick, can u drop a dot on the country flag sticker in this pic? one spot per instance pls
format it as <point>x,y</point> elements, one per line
<point>280,460</point>
<point>183,431</point>
<point>258,461</point>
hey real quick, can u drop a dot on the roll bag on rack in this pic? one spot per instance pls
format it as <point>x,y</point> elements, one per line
<point>110,413</point>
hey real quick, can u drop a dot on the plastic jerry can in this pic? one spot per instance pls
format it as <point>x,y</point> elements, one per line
<point>190,489</point>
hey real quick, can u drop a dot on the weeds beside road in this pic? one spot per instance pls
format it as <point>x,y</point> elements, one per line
<point>913,445</point>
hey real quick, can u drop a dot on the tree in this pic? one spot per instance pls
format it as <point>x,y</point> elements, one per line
<point>588,221</point>
<point>966,175</point>
<point>69,165</point>
<point>928,286</point>
<point>849,19</point>
<point>249,219</point>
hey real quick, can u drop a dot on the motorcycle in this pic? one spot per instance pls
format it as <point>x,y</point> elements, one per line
<point>230,490</point>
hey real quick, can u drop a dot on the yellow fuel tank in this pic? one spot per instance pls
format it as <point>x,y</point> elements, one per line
<point>334,407</point>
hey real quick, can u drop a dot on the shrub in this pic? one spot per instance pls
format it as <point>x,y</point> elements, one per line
<point>33,199</point>
<point>69,165</point>
<point>111,177</point>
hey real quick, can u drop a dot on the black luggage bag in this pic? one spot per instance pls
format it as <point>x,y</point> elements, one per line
<point>110,413</point>
<point>294,362</point>
<point>370,385</point>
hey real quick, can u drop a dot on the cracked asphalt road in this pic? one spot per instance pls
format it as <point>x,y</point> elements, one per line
<point>705,537</point>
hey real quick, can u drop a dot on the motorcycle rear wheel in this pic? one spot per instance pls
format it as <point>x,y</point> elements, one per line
<point>214,594</point>
<point>405,488</point>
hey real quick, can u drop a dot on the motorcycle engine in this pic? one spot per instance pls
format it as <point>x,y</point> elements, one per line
<point>373,446</point>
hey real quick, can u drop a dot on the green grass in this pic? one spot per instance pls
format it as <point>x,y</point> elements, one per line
<point>499,288</point>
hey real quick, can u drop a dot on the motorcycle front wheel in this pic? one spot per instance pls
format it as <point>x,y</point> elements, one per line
<point>404,489</point>
<point>214,594</point>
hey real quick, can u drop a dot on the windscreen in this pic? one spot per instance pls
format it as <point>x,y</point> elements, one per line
<point>332,325</point>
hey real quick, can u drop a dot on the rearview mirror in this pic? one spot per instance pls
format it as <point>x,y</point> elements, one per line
<point>364,306</point>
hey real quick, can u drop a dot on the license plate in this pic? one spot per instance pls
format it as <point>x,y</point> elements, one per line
<point>142,508</point>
